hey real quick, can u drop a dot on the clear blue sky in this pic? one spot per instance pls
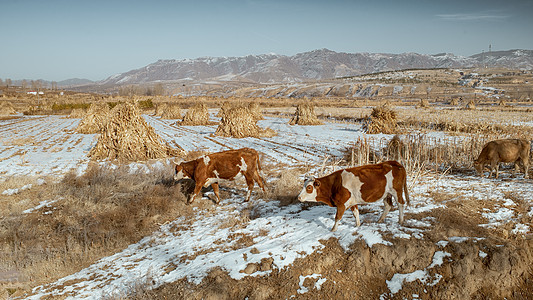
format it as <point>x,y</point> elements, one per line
<point>94,39</point>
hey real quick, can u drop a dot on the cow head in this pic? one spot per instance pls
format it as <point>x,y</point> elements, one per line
<point>309,192</point>
<point>478,165</point>
<point>180,172</point>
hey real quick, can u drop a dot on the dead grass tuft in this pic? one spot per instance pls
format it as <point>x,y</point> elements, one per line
<point>6,108</point>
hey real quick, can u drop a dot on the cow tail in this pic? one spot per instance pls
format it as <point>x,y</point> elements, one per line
<point>406,193</point>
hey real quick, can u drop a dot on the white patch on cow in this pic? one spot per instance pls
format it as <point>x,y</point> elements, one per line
<point>304,196</point>
<point>206,160</point>
<point>243,165</point>
<point>210,181</point>
<point>179,175</point>
<point>216,173</point>
<point>353,185</point>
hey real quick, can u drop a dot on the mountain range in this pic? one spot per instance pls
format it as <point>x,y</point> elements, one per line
<point>314,65</point>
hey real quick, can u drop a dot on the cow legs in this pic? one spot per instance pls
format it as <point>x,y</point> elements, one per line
<point>197,190</point>
<point>355,213</point>
<point>259,180</point>
<point>250,183</point>
<point>338,216</point>
<point>216,191</point>
<point>387,206</point>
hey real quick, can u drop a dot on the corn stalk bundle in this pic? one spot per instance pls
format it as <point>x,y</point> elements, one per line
<point>6,108</point>
<point>454,102</point>
<point>305,115</point>
<point>382,120</point>
<point>226,106</point>
<point>424,103</point>
<point>127,137</point>
<point>160,108</point>
<point>196,116</point>
<point>77,113</point>
<point>240,122</point>
<point>95,118</point>
<point>171,112</point>
<point>255,109</point>
<point>471,105</point>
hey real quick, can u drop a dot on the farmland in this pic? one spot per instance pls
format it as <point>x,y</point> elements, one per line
<point>75,227</point>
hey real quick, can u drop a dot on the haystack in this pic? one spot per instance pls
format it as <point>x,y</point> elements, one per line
<point>424,103</point>
<point>382,120</point>
<point>95,118</point>
<point>196,116</point>
<point>6,108</point>
<point>77,113</point>
<point>172,111</point>
<point>255,109</point>
<point>305,115</point>
<point>395,148</point>
<point>127,137</point>
<point>226,106</point>
<point>471,105</point>
<point>240,122</point>
<point>454,102</point>
<point>160,108</point>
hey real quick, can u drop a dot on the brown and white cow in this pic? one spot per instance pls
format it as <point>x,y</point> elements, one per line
<point>506,151</point>
<point>225,165</point>
<point>350,187</point>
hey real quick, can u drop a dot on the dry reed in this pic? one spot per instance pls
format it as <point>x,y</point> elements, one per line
<point>127,137</point>
<point>305,115</point>
<point>77,113</point>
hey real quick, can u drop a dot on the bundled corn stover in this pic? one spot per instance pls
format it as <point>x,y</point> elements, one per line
<point>127,137</point>
<point>240,122</point>
<point>95,118</point>
<point>196,116</point>
<point>305,115</point>
<point>382,120</point>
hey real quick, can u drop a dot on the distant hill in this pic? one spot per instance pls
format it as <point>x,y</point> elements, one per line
<point>314,65</point>
<point>74,82</point>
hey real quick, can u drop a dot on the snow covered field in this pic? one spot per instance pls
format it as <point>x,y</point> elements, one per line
<point>42,146</point>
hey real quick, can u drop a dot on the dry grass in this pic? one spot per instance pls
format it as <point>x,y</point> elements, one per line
<point>96,215</point>
<point>305,115</point>
<point>240,122</point>
<point>127,137</point>
<point>95,119</point>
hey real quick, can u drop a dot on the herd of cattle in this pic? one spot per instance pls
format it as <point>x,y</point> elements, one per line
<point>343,189</point>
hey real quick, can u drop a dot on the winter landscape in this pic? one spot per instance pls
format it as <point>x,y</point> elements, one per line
<point>75,226</point>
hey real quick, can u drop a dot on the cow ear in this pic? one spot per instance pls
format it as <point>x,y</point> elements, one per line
<point>316,183</point>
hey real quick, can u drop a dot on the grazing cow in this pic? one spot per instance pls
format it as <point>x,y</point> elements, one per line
<point>365,184</point>
<point>210,169</point>
<point>506,151</point>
